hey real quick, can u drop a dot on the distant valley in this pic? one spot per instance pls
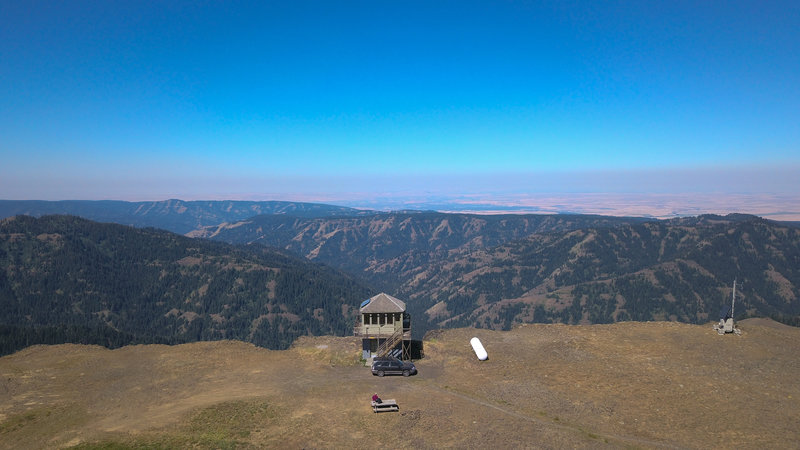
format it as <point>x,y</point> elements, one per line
<point>453,270</point>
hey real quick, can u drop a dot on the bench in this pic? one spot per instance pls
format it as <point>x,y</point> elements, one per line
<point>386,405</point>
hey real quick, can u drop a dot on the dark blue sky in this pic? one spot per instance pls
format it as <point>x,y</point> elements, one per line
<point>149,100</point>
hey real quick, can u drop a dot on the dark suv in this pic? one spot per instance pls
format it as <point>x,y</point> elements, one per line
<point>392,366</point>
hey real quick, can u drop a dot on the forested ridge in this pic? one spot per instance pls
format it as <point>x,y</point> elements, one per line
<point>680,270</point>
<point>67,279</point>
<point>391,249</point>
<point>496,271</point>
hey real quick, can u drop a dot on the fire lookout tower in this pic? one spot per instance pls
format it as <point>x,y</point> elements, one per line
<point>384,328</point>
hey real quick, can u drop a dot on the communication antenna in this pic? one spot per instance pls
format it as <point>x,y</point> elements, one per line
<point>726,324</point>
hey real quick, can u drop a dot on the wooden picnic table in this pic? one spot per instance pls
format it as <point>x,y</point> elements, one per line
<point>386,405</point>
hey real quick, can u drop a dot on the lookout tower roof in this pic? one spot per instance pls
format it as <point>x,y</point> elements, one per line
<point>382,303</point>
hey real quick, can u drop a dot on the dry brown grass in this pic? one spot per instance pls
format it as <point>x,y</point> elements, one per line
<point>550,386</point>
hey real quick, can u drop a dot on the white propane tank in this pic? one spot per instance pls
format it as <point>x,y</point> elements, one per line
<point>480,352</point>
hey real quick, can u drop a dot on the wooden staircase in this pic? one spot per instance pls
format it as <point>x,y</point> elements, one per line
<point>390,343</point>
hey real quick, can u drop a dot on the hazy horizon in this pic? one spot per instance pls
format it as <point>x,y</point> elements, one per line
<point>659,206</point>
<point>655,108</point>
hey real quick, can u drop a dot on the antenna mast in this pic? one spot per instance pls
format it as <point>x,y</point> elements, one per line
<point>726,324</point>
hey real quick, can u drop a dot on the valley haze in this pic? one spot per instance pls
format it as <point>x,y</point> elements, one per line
<point>657,110</point>
<point>782,207</point>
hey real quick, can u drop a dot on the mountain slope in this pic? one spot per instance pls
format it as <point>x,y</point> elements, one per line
<point>391,249</point>
<point>174,215</point>
<point>495,271</point>
<point>64,278</point>
<point>675,270</point>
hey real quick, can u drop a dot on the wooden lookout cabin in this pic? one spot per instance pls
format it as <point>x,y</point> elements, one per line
<point>384,328</point>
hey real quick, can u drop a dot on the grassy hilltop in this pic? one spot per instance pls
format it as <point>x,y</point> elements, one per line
<point>645,385</point>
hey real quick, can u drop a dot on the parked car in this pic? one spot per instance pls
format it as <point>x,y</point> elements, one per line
<point>392,366</point>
